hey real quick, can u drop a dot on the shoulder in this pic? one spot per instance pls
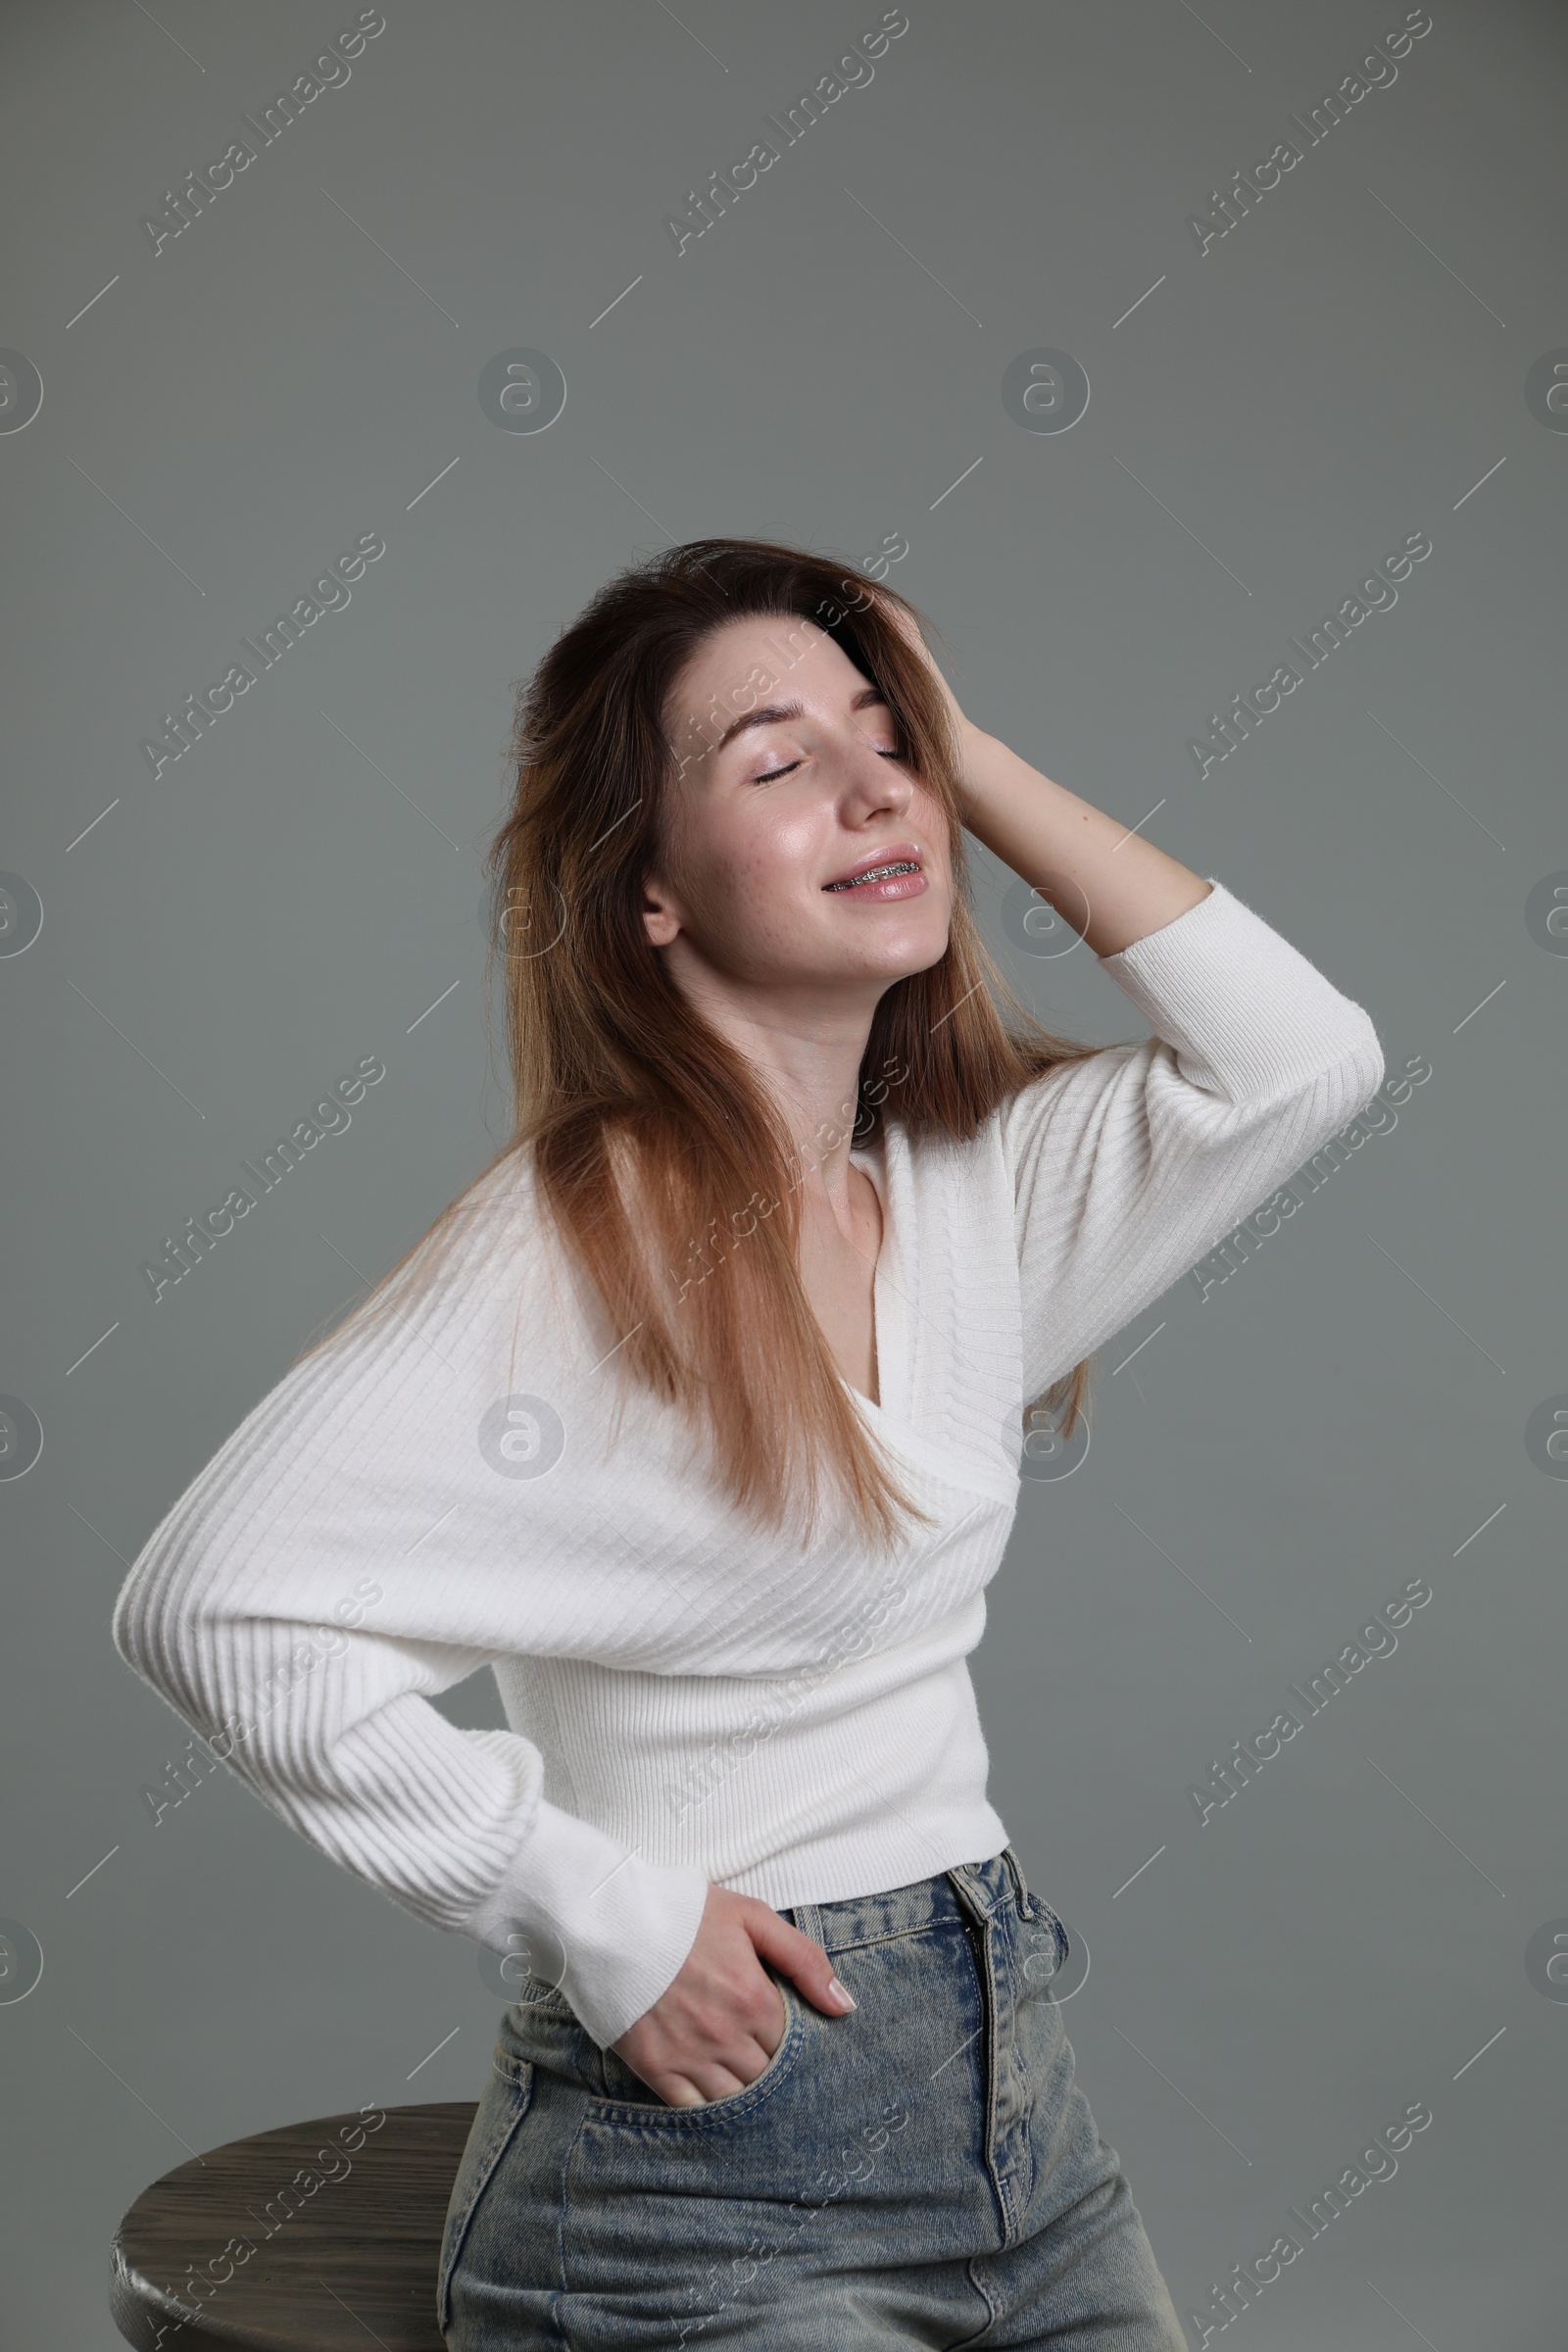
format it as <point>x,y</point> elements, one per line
<point>939,1175</point>
<point>491,1254</point>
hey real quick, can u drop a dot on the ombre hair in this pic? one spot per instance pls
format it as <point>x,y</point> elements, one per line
<point>665,1168</point>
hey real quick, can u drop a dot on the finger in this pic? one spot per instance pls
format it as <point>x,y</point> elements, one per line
<point>807,1964</point>
<point>700,2085</point>
<point>766,2038</point>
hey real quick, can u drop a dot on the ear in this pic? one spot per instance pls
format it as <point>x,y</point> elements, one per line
<point>659,911</point>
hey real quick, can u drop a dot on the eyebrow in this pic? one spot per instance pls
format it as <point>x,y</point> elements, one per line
<point>770,714</point>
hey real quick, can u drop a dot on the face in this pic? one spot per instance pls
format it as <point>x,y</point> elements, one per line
<point>787,790</point>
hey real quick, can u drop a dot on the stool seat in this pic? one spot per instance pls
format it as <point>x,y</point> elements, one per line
<point>344,2239</point>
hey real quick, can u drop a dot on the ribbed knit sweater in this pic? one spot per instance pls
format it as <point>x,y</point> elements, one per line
<point>691,1701</point>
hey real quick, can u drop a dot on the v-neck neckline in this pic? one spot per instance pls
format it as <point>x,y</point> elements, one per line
<point>908,1358</point>
<point>864,1158</point>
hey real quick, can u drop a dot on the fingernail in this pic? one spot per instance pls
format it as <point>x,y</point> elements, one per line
<point>845,2000</point>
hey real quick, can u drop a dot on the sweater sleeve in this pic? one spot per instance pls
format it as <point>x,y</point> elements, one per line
<point>1128,1164</point>
<point>351,1549</point>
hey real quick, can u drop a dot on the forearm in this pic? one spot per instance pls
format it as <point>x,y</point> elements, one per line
<point>1108,883</point>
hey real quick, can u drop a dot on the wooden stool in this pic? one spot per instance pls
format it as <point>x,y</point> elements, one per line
<point>344,2238</point>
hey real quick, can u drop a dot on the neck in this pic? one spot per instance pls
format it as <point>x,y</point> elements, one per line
<point>806,1048</point>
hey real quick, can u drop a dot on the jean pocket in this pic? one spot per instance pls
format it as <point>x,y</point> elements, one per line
<point>506,2097</point>
<point>633,2101</point>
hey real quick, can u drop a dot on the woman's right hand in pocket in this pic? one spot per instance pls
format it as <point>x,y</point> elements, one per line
<point>717,2023</point>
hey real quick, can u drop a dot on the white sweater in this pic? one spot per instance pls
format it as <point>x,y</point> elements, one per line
<point>690,1702</point>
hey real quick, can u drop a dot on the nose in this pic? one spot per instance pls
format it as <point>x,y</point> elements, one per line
<point>870,781</point>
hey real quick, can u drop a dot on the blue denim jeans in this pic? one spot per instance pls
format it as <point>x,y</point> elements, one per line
<point>921,2171</point>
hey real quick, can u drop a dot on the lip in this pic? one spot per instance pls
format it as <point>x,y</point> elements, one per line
<point>891,853</point>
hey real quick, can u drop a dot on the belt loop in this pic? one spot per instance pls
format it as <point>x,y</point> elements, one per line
<point>972,1891</point>
<point>1015,1873</point>
<point>807,1917</point>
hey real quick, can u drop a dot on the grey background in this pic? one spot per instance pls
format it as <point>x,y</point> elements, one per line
<point>222,943</point>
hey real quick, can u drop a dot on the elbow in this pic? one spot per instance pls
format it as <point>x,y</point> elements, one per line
<point>1325,1082</point>
<point>1364,1065</point>
<point>132,1627</point>
<point>146,1616</point>
<point>1347,1101</point>
<point>1335,1094</point>
<point>158,1630</point>
<point>1344,1076</point>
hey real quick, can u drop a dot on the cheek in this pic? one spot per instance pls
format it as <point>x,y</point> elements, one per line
<point>772,862</point>
<point>746,887</point>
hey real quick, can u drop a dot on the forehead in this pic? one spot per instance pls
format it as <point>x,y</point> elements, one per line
<point>779,656</point>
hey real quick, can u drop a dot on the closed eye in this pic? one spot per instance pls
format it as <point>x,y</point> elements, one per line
<point>773,773</point>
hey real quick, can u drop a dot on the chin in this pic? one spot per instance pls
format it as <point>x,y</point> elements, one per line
<point>917,955</point>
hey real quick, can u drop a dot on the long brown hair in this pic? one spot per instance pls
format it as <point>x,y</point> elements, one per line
<point>664,1167</point>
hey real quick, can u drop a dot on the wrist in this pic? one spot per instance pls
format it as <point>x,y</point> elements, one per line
<point>975,768</point>
<point>987,772</point>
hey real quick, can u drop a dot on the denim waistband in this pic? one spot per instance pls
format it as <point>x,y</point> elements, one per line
<point>967,1890</point>
<point>974,1891</point>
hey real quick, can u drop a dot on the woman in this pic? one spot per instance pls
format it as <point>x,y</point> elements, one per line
<point>699,1417</point>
